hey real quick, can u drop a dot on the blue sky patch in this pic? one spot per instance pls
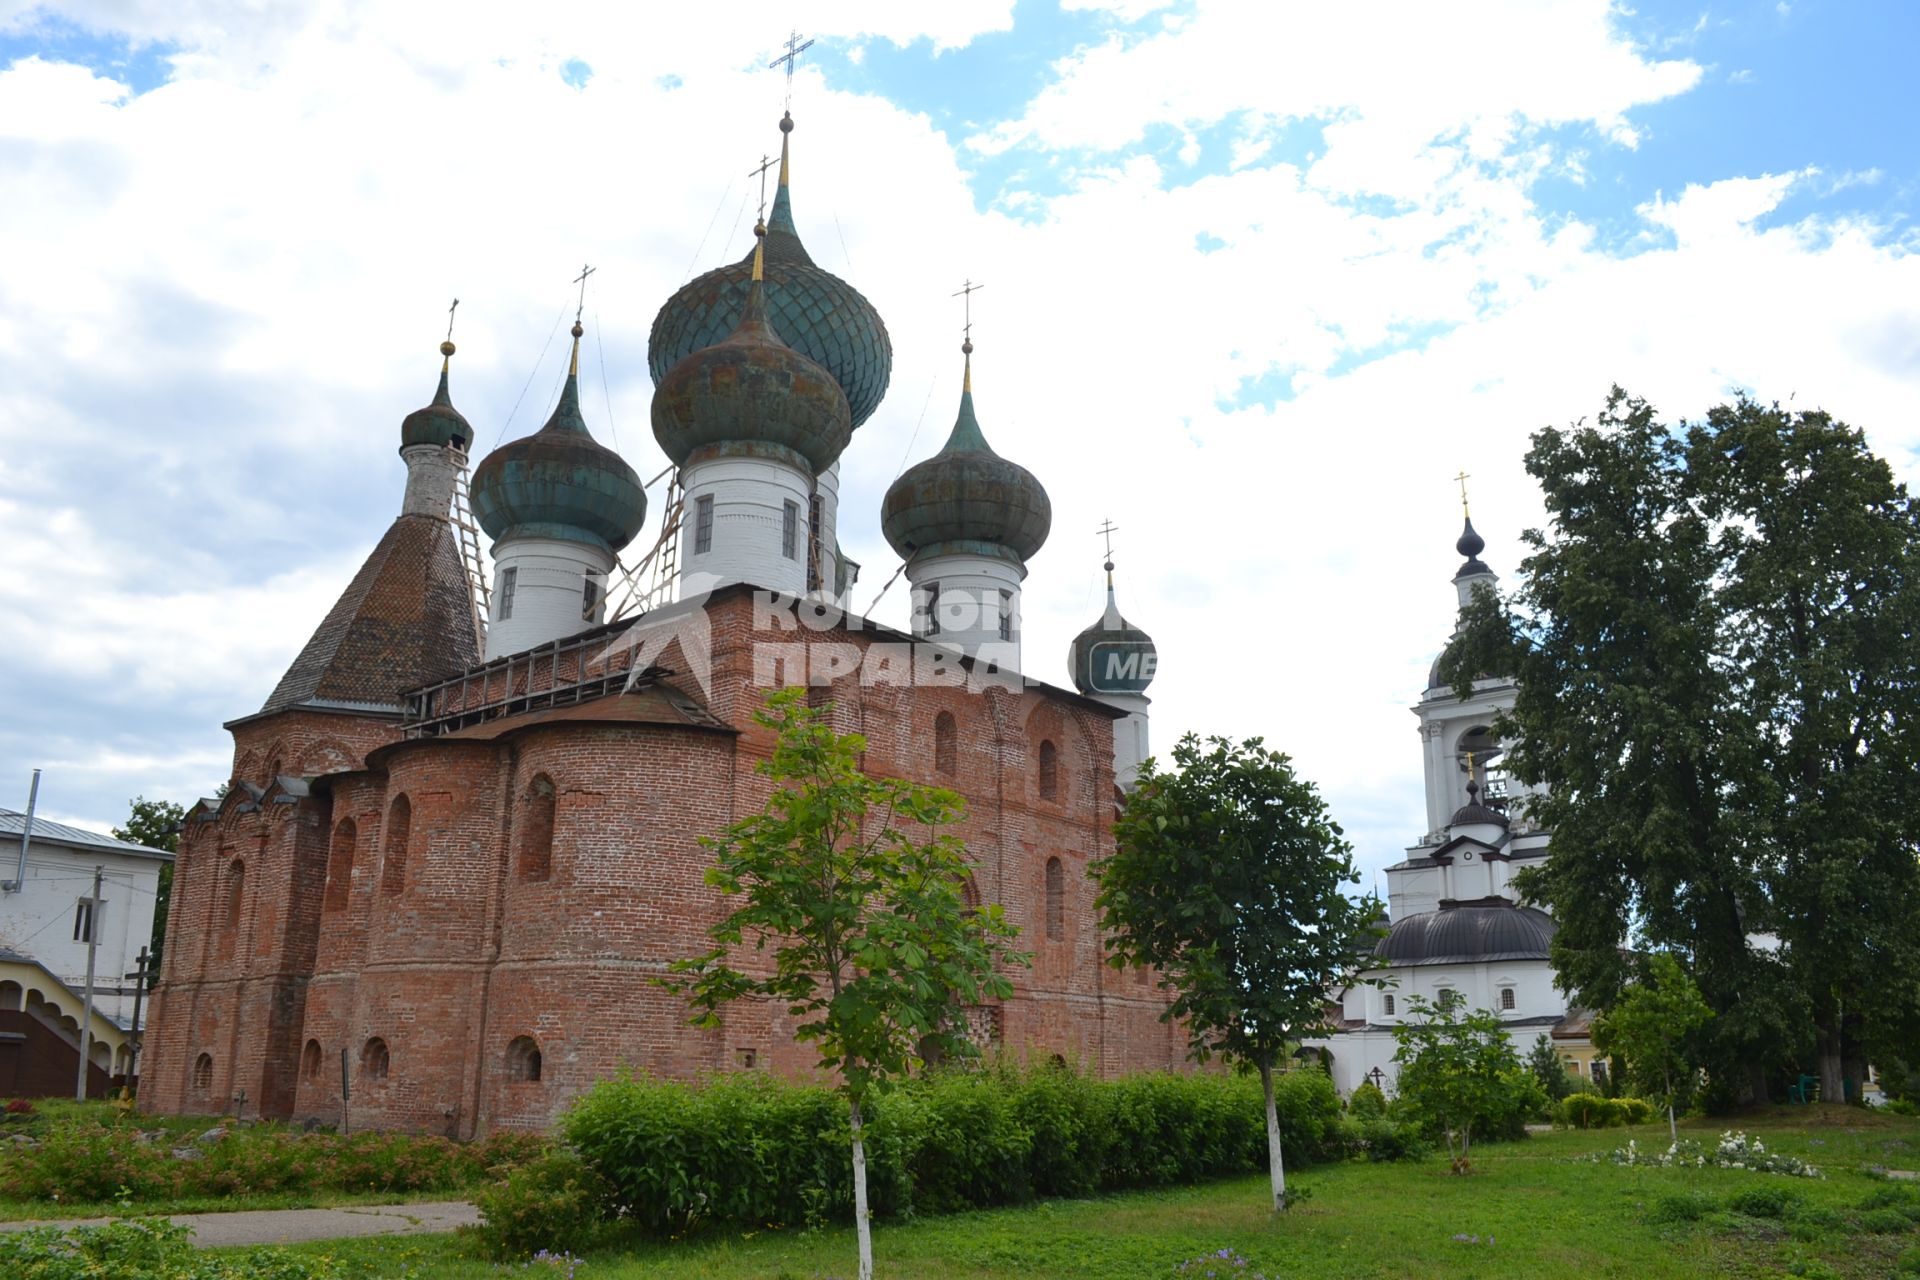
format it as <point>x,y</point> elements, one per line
<point>140,66</point>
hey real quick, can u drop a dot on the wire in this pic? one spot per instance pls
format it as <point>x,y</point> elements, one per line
<point>924,404</point>
<point>530,376</point>
<point>720,204</point>
<point>604,388</point>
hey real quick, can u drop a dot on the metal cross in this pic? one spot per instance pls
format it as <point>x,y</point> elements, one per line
<point>1463,478</point>
<point>581,280</point>
<point>766,162</point>
<point>967,292</point>
<point>450,311</point>
<point>794,48</point>
<point>1106,530</point>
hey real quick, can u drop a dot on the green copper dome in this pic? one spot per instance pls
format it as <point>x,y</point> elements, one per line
<point>560,482</point>
<point>439,423</point>
<point>1112,655</point>
<point>751,388</point>
<point>967,493</point>
<point>815,312</point>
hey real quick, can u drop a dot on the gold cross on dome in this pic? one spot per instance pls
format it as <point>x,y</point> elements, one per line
<point>1463,478</point>
<point>967,292</point>
<point>450,310</point>
<point>766,162</point>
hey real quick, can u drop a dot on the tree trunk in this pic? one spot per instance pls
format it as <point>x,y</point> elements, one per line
<point>1833,1080</point>
<point>860,1225</point>
<point>1276,1172</point>
<point>1673,1129</point>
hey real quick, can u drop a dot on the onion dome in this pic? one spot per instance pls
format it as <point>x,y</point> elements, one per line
<point>439,423</point>
<point>751,388</point>
<point>967,494</point>
<point>1465,932</point>
<point>1473,811</point>
<point>560,482</point>
<point>1470,545</point>
<point>818,314</point>
<point>1112,655</point>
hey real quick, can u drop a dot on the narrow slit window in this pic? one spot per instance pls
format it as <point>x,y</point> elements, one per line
<point>703,524</point>
<point>790,530</point>
<point>1006,615</point>
<point>588,599</point>
<point>814,515</point>
<point>933,610</point>
<point>508,577</point>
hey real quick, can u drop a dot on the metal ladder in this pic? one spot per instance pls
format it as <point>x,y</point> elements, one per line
<point>468,534</point>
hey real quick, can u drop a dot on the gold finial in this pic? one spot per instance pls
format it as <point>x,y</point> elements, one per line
<point>759,250</point>
<point>1464,509</point>
<point>786,132</point>
<point>446,347</point>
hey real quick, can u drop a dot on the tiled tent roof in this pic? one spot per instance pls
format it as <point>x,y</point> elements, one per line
<point>12,822</point>
<point>404,621</point>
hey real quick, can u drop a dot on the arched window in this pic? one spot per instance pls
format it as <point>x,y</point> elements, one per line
<point>310,1059</point>
<point>1446,998</point>
<point>1506,997</point>
<point>1389,1006</point>
<point>236,901</point>
<point>969,894</point>
<point>946,746</point>
<point>393,868</point>
<point>523,1060</point>
<point>203,1073</point>
<point>536,830</point>
<point>340,866</point>
<point>373,1059</point>
<point>1056,901</point>
<point>1049,771</point>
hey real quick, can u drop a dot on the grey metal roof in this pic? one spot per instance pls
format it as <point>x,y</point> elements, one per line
<point>12,823</point>
<point>1465,932</point>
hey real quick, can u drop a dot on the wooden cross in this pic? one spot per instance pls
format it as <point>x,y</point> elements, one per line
<point>1106,530</point>
<point>967,293</point>
<point>795,47</point>
<point>1463,478</point>
<point>766,162</point>
<point>450,311</point>
<point>581,280</point>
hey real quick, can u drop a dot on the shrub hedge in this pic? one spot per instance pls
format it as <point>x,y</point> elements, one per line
<point>1592,1111</point>
<point>749,1150</point>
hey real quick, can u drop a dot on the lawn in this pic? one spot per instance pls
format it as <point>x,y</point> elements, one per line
<point>1535,1210</point>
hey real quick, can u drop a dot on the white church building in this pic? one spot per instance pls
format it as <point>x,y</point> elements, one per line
<point>1457,930</point>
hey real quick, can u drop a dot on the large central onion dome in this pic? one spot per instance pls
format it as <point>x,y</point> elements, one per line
<point>968,495</point>
<point>1112,655</point>
<point>560,482</point>
<point>815,312</point>
<point>751,388</point>
<point>439,423</point>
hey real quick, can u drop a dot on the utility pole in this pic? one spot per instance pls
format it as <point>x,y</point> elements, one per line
<point>139,976</point>
<point>19,881</point>
<point>86,1018</point>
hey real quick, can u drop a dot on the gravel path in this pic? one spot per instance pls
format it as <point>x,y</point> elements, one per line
<point>289,1226</point>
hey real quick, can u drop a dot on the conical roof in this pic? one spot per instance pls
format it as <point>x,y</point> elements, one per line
<point>815,312</point>
<point>1112,655</point>
<point>439,423</point>
<point>560,482</point>
<point>967,494</point>
<point>751,388</point>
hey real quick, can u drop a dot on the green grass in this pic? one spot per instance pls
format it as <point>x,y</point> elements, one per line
<point>1546,1215</point>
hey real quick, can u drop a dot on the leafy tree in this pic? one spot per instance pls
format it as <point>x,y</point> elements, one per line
<point>1651,1026</point>
<point>855,886</point>
<point>1458,1070</point>
<point>155,824</point>
<point>1226,877</point>
<point>1544,1061</point>
<point>1719,695</point>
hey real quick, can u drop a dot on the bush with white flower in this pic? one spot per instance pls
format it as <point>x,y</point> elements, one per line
<point>1735,1150</point>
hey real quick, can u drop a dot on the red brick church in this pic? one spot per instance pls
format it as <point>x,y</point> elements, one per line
<point>460,838</point>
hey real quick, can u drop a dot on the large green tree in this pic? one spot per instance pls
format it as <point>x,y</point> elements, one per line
<point>1652,1026</point>
<point>1717,691</point>
<point>155,824</point>
<point>1228,877</point>
<point>854,885</point>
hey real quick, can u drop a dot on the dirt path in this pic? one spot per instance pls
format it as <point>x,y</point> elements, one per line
<point>290,1226</point>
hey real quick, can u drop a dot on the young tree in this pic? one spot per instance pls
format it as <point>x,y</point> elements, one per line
<point>1226,877</point>
<point>1544,1061</point>
<point>1459,1069</point>
<point>855,887</point>
<point>155,824</point>
<point>1652,1026</point>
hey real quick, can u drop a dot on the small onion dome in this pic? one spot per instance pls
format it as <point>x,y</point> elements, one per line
<point>818,314</point>
<point>751,388</point>
<point>967,493</point>
<point>1465,932</point>
<point>1470,545</point>
<point>560,482</point>
<point>1473,811</point>
<point>439,423</point>
<point>1112,655</point>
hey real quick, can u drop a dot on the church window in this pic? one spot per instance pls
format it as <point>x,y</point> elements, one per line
<point>1389,1006</point>
<point>523,1060</point>
<point>393,868</point>
<point>1049,771</point>
<point>203,1073</point>
<point>813,543</point>
<point>373,1059</point>
<point>310,1060</point>
<point>236,895</point>
<point>1006,615</point>
<point>588,598</point>
<point>703,524</point>
<point>1506,997</point>
<point>933,610</point>
<point>1446,998</point>
<point>340,866</point>
<point>790,530</point>
<point>945,743</point>
<point>89,919</point>
<point>1056,901</point>
<point>509,576</point>
<point>536,830</point>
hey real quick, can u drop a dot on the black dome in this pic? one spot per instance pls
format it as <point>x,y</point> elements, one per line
<point>1464,932</point>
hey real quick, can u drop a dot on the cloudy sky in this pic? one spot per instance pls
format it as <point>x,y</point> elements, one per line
<point>1261,278</point>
